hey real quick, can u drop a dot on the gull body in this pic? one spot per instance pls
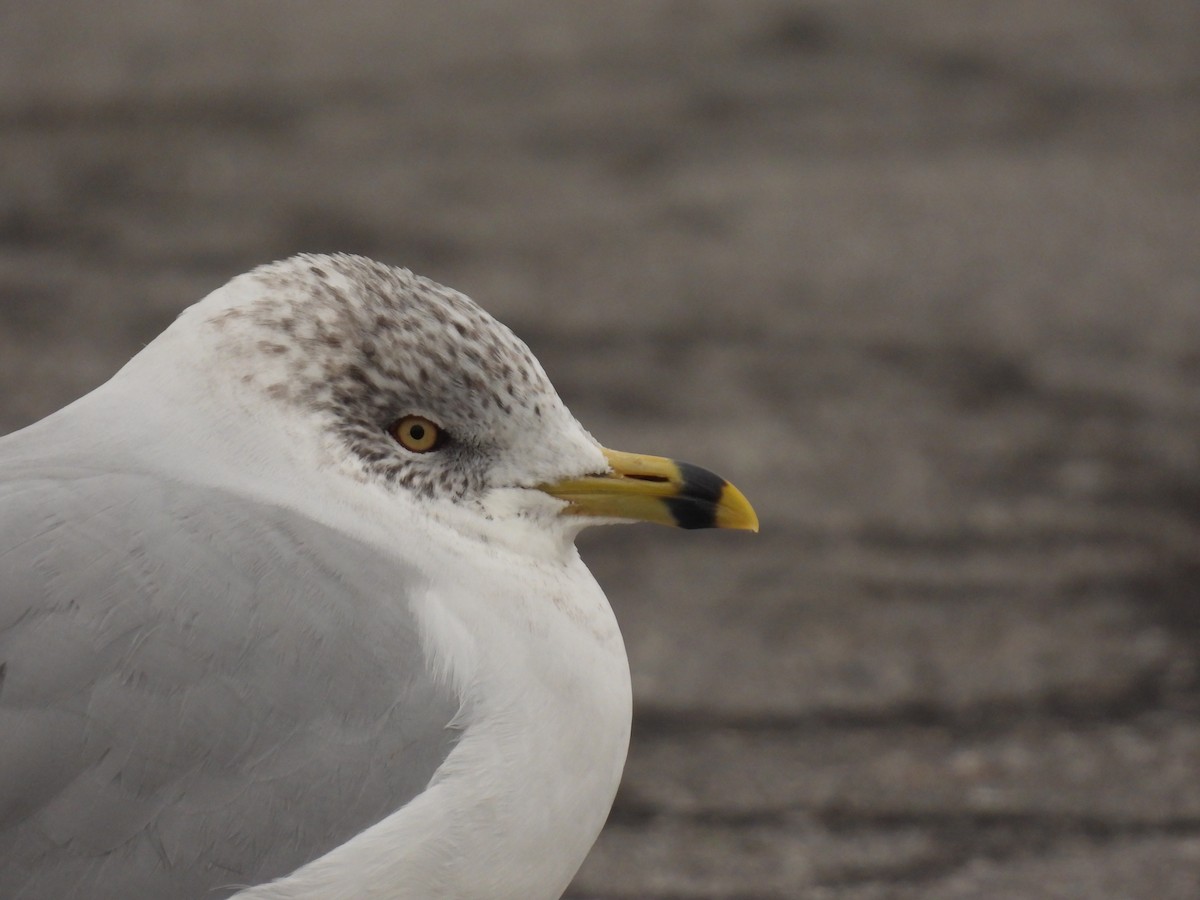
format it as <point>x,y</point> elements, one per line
<point>254,647</point>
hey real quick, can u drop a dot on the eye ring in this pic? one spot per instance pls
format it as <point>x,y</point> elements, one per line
<point>417,434</point>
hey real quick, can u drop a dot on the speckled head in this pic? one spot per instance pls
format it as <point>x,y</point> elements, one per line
<point>359,344</point>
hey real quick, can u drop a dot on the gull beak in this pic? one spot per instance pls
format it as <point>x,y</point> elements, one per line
<point>654,489</point>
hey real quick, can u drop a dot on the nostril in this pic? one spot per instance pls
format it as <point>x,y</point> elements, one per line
<point>659,479</point>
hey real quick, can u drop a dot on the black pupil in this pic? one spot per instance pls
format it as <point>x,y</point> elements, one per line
<point>416,432</point>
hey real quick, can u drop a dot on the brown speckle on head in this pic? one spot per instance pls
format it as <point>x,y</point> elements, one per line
<point>358,345</point>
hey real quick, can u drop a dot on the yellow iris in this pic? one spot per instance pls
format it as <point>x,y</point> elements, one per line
<point>416,433</point>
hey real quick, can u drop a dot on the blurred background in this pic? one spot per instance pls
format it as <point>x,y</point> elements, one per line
<point>922,278</point>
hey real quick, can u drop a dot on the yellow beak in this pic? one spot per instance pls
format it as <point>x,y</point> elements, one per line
<point>654,489</point>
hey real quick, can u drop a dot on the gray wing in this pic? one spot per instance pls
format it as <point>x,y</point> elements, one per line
<point>197,691</point>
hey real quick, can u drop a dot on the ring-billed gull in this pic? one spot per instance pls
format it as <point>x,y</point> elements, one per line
<point>291,606</point>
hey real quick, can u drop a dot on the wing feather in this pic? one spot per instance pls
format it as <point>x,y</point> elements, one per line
<point>199,690</point>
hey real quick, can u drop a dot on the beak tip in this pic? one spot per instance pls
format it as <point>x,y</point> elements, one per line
<point>735,511</point>
<point>747,522</point>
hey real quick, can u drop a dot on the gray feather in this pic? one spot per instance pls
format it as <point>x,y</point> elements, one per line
<point>199,691</point>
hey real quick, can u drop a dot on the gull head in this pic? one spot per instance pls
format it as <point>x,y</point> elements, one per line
<point>412,388</point>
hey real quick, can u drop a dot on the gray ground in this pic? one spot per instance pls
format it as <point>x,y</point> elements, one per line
<point>921,277</point>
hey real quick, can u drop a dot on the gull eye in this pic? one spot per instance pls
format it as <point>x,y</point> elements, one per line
<point>417,433</point>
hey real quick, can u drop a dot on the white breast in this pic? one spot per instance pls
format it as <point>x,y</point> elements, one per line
<point>534,652</point>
